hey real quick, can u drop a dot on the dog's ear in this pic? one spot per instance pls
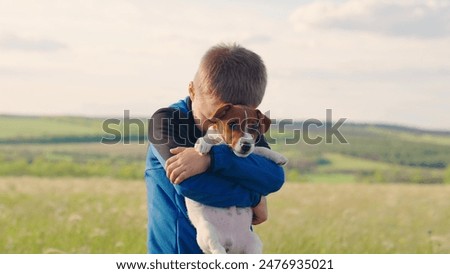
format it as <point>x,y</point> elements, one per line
<point>264,122</point>
<point>220,112</point>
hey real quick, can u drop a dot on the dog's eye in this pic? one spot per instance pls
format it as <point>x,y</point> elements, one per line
<point>233,124</point>
<point>254,127</point>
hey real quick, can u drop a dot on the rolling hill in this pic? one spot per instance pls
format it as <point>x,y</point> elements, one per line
<point>70,146</point>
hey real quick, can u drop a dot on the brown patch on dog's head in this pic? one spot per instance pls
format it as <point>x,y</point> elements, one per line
<point>220,112</point>
<point>235,122</point>
<point>264,121</point>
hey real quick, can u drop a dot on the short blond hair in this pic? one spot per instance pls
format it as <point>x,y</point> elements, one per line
<point>234,74</point>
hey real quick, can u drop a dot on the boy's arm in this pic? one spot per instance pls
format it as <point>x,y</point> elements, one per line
<point>212,190</point>
<point>254,172</point>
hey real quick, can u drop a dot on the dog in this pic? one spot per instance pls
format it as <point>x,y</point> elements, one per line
<point>228,230</point>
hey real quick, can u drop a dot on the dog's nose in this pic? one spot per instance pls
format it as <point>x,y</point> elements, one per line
<point>245,147</point>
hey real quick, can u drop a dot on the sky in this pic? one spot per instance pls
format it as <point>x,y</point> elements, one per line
<point>370,61</point>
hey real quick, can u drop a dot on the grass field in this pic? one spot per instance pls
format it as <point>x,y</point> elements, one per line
<point>358,218</point>
<point>69,215</point>
<point>62,191</point>
<point>37,127</point>
<point>72,216</point>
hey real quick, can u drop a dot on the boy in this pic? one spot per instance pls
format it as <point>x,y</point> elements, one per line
<point>174,170</point>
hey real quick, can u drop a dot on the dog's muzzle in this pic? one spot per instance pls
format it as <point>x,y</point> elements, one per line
<point>244,146</point>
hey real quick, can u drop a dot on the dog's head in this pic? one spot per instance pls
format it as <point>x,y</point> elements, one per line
<point>239,127</point>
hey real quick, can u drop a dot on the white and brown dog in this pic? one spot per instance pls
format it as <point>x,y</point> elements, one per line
<point>228,230</point>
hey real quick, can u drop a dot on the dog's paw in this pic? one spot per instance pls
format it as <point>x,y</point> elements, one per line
<point>280,160</point>
<point>274,156</point>
<point>202,147</point>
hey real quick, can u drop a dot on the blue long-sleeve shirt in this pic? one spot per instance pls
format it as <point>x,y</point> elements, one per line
<point>230,180</point>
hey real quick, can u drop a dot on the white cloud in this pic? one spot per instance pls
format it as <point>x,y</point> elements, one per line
<point>14,42</point>
<point>140,55</point>
<point>121,52</point>
<point>410,18</point>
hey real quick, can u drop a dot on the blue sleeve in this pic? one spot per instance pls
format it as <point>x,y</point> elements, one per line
<point>213,190</point>
<point>253,172</point>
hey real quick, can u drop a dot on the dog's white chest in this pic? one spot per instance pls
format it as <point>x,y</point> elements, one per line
<point>223,230</point>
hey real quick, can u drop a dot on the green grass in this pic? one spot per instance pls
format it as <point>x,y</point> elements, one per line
<point>39,215</point>
<point>331,178</point>
<point>338,168</point>
<point>70,147</point>
<point>73,160</point>
<point>78,151</point>
<point>63,129</point>
<point>394,146</point>
<point>94,201</point>
<point>423,138</point>
<point>345,163</point>
<point>358,218</point>
<point>23,127</point>
<point>354,167</point>
<point>72,216</point>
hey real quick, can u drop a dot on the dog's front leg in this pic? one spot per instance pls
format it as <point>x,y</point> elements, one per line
<point>203,145</point>
<point>271,155</point>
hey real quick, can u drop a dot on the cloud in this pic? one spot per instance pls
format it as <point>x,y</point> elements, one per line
<point>139,55</point>
<point>257,39</point>
<point>14,42</point>
<point>408,18</point>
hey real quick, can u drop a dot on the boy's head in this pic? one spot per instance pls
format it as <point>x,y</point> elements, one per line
<point>227,74</point>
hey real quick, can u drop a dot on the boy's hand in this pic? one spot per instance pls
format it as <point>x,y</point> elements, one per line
<point>260,213</point>
<point>186,163</point>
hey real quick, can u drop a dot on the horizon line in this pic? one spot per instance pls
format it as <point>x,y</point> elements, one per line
<point>403,126</point>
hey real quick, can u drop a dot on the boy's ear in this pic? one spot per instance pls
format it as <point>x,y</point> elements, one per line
<point>264,122</point>
<point>191,90</point>
<point>220,112</point>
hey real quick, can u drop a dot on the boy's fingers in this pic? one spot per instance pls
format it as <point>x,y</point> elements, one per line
<point>180,178</point>
<point>175,175</point>
<point>171,166</point>
<point>169,163</point>
<point>169,174</point>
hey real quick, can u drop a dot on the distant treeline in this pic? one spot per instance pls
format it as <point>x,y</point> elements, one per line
<point>49,162</point>
<point>73,139</point>
<point>52,140</point>
<point>368,142</point>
